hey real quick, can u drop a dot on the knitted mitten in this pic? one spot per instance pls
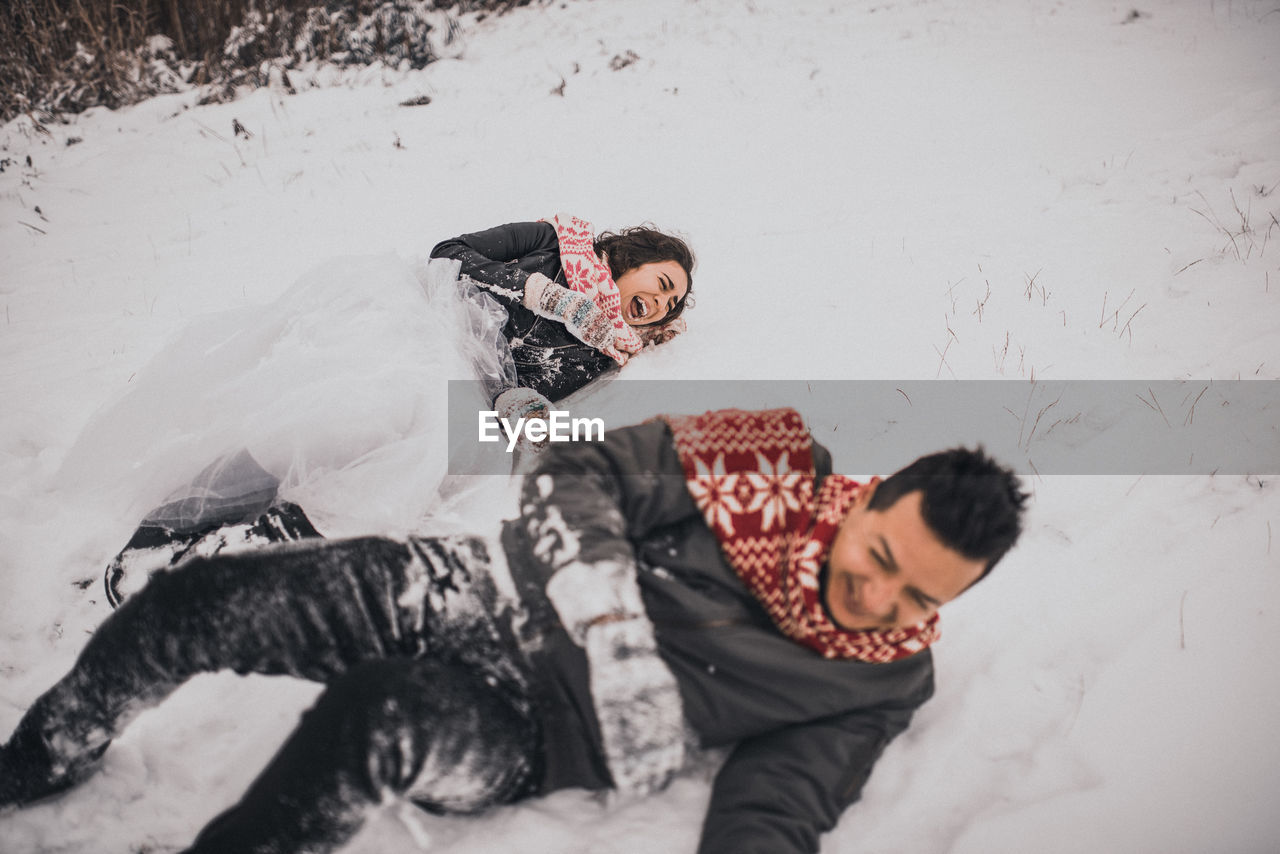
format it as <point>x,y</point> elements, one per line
<point>637,704</point>
<point>583,318</point>
<point>520,402</point>
<point>637,701</point>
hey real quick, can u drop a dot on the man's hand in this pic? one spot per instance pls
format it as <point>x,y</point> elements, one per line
<point>637,704</point>
<point>578,538</point>
<point>636,698</point>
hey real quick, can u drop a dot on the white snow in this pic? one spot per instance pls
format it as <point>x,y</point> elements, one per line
<point>875,189</point>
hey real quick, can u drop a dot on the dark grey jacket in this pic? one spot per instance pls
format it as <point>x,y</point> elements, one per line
<point>547,357</point>
<point>805,730</point>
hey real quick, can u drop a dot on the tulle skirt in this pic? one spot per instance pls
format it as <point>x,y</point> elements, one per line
<point>338,389</point>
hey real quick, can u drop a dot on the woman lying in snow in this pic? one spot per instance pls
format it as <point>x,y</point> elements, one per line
<point>335,394</point>
<point>578,305</point>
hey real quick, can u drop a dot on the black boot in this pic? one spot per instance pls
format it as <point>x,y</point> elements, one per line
<point>28,772</point>
<point>154,548</point>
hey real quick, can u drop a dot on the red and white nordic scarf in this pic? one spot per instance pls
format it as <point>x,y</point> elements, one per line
<point>752,476</point>
<point>587,274</point>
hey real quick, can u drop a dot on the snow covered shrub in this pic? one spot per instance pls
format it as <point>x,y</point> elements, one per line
<point>68,55</point>
<point>397,31</point>
<point>258,51</point>
<point>112,78</point>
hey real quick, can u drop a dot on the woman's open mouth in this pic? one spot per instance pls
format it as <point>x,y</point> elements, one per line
<point>637,309</point>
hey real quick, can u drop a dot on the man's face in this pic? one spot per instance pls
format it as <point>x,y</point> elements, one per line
<point>888,570</point>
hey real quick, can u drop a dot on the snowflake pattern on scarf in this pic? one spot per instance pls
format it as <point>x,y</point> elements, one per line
<point>752,477</point>
<point>587,274</point>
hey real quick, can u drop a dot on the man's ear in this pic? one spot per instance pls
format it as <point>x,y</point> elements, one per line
<point>868,490</point>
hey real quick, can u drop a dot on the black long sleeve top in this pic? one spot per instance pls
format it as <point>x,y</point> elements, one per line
<point>548,358</point>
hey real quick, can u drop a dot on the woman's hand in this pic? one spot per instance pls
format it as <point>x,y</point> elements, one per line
<point>583,318</point>
<point>523,403</point>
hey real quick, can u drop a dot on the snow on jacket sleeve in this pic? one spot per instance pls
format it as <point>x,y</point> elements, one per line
<point>777,793</point>
<point>579,514</point>
<point>612,492</point>
<point>502,258</point>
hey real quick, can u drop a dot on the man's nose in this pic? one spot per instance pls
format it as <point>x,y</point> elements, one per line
<point>879,592</point>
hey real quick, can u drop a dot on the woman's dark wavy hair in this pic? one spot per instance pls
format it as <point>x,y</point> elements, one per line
<point>643,244</point>
<point>972,504</point>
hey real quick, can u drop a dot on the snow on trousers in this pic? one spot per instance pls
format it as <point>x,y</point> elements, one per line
<point>426,695</point>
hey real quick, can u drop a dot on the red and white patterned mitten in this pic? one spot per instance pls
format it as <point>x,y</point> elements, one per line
<point>583,318</point>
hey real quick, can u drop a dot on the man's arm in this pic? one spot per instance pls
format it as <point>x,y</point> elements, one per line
<point>579,512</point>
<point>777,793</point>
<point>613,491</point>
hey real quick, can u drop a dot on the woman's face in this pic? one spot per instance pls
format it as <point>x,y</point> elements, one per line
<point>650,291</point>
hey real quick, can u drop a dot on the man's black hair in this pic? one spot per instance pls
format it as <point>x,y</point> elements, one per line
<point>971,503</point>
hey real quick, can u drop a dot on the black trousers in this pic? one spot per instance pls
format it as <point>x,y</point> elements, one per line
<point>426,692</point>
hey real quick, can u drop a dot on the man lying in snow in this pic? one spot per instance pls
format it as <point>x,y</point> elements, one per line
<point>734,593</point>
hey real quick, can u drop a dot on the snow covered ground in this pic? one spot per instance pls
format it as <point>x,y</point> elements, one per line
<point>876,190</point>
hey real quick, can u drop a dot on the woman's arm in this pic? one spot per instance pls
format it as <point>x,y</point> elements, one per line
<point>502,258</point>
<point>518,262</point>
<point>501,261</point>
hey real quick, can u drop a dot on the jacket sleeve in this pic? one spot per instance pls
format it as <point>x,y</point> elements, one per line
<point>580,511</point>
<point>584,506</point>
<point>606,493</point>
<point>778,792</point>
<point>502,258</point>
